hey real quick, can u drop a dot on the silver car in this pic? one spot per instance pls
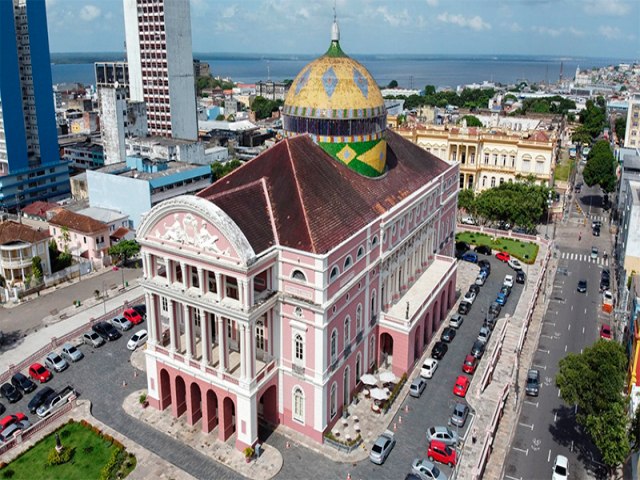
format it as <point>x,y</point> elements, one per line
<point>459,414</point>
<point>382,447</point>
<point>426,470</point>
<point>417,387</point>
<point>71,353</point>
<point>93,339</point>
<point>442,434</point>
<point>456,320</point>
<point>55,362</point>
<point>122,324</point>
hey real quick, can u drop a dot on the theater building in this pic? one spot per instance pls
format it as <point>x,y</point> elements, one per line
<point>273,290</point>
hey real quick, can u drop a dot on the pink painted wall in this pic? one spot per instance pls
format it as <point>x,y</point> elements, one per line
<point>82,242</point>
<point>286,417</point>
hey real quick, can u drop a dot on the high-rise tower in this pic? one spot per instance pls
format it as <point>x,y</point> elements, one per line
<point>158,35</point>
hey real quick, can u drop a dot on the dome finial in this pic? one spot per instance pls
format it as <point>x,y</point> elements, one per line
<point>335,31</point>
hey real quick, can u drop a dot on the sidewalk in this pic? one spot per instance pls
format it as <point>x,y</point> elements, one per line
<point>54,327</point>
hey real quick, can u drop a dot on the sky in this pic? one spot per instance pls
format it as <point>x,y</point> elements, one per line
<point>582,28</point>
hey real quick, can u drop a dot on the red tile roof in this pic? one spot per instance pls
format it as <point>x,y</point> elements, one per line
<point>11,231</point>
<point>539,136</point>
<point>39,209</point>
<point>296,195</point>
<point>120,233</point>
<point>77,222</point>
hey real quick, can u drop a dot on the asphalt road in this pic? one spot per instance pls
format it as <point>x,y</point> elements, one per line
<point>546,426</point>
<point>100,376</point>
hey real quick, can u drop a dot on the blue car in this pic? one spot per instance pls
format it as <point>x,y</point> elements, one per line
<point>501,299</point>
<point>470,257</point>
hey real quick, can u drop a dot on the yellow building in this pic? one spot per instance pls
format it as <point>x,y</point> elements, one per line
<point>489,157</point>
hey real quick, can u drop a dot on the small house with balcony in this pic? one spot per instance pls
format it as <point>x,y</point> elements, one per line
<point>82,236</point>
<point>18,245</point>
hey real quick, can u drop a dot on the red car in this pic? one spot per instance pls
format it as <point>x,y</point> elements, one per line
<point>9,419</point>
<point>503,256</point>
<point>38,372</point>
<point>439,452</point>
<point>470,364</point>
<point>133,316</point>
<point>605,332</point>
<point>461,386</point>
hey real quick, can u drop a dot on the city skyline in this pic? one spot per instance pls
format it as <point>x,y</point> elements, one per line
<point>585,28</point>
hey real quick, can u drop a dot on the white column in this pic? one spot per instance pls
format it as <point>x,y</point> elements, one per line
<point>243,352</point>
<point>145,265</point>
<point>172,325</point>
<point>251,349</point>
<point>218,286</point>
<point>188,329</point>
<point>168,265</point>
<point>151,317</point>
<point>245,294</point>
<point>183,269</point>
<point>222,343</point>
<point>201,280</point>
<point>206,336</point>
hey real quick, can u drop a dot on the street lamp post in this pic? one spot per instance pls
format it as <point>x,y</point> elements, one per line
<point>549,203</point>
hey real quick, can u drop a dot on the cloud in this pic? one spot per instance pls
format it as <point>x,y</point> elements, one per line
<point>576,32</point>
<point>614,8</point>
<point>395,18</point>
<point>610,33</point>
<point>432,3</point>
<point>547,31</point>
<point>89,13</point>
<point>512,26</point>
<point>229,12</point>
<point>474,23</point>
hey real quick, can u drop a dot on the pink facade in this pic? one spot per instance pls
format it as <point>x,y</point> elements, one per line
<point>91,245</point>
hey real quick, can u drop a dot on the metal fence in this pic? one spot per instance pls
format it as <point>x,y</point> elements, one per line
<point>478,470</point>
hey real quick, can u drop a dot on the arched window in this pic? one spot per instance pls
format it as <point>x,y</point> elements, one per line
<point>298,347</point>
<point>358,367</point>
<point>334,346</point>
<point>484,181</point>
<point>347,262</point>
<point>493,182</point>
<point>298,275</point>
<point>374,241</point>
<point>333,400</point>
<point>347,331</point>
<point>334,273</point>
<point>298,404</point>
<point>372,350</point>
<point>359,319</point>
<point>360,253</point>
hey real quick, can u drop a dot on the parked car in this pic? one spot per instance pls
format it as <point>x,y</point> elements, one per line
<point>137,339</point>
<point>490,321</point>
<point>442,434</point>
<point>469,297</point>
<point>464,308</point>
<point>459,414</point>
<point>582,286</point>
<point>39,373</point>
<point>501,299</point>
<point>462,247</point>
<point>578,187</point>
<point>382,448</point>
<point>429,367</point>
<point>54,402</point>
<point>484,334</point>
<point>448,334</point>
<point>10,419</point>
<point>93,339</point>
<point>53,361</point>
<point>106,331</point>
<point>461,386</point>
<point>508,281</point>
<point>439,350</point>
<point>2,409</point>
<point>23,383</point>
<point>122,324</point>
<point>485,266</point>
<point>594,253</point>
<point>11,393</point>
<point>481,278</point>
<point>71,353</point>
<point>483,249</point>
<point>456,320</point>
<point>39,398</point>
<point>13,430</point>
<point>595,231</point>
<point>520,276</point>
<point>417,387</point>
<point>560,470</point>
<point>468,221</point>
<point>503,256</point>
<point>426,470</point>
<point>477,350</point>
<point>506,290</point>
<point>133,315</point>
<point>515,264</point>
<point>474,288</point>
<point>605,279</point>
<point>495,308</point>
<point>470,257</point>
<point>532,387</point>
<point>605,333</point>
<point>439,452</point>
<point>470,364</point>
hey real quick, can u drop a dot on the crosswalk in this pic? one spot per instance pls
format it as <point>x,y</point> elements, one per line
<point>580,257</point>
<point>599,218</point>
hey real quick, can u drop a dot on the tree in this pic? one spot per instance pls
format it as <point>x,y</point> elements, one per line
<point>620,128</point>
<point>601,167</point>
<point>263,107</point>
<point>393,84</point>
<point>429,90</point>
<point>36,268</point>
<point>219,169</point>
<point>220,117</point>
<point>594,381</point>
<point>124,249</point>
<point>467,200</point>
<point>66,238</point>
<point>472,121</point>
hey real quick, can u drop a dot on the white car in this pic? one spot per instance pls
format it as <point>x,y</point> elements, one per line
<point>55,402</point>
<point>456,320</point>
<point>137,339</point>
<point>560,468</point>
<point>469,297</point>
<point>515,264</point>
<point>484,334</point>
<point>468,221</point>
<point>594,253</point>
<point>481,278</point>
<point>508,281</point>
<point>429,366</point>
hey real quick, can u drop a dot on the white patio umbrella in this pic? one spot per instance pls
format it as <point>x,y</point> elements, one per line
<point>388,377</point>
<point>378,394</point>
<point>368,379</point>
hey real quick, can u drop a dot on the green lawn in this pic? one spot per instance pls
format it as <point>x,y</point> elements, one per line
<point>563,170</point>
<point>524,251</point>
<point>91,454</point>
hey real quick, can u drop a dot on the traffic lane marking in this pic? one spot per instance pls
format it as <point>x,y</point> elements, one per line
<point>525,425</point>
<point>526,452</point>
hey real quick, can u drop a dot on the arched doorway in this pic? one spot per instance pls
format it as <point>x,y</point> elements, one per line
<point>443,304</point>
<point>268,406</point>
<point>228,418</point>
<point>386,349</point>
<point>181,397</point>
<point>426,329</point>
<point>211,419</point>
<point>436,315</point>
<point>452,293</point>
<point>417,345</point>
<point>165,389</point>
<point>358,367</point>
<point>195,403</point>
<point>345,388</point>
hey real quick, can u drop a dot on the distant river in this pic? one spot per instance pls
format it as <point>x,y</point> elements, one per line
<point>409,70</point>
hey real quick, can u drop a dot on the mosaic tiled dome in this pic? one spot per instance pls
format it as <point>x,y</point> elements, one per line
<point>337,102</point>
